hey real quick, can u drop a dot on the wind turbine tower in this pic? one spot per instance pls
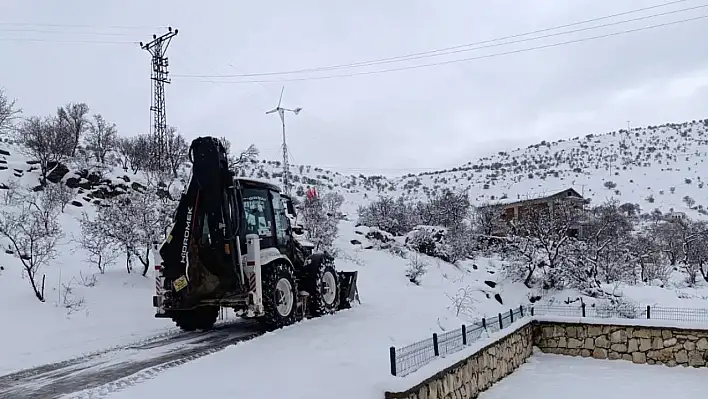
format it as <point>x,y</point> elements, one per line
<point>286,165</point>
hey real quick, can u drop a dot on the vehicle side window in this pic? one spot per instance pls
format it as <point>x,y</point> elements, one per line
<point>281,219</point>
<point>258,212</point>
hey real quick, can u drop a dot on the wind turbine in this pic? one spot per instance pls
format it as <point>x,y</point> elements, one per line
<point>286,166</point>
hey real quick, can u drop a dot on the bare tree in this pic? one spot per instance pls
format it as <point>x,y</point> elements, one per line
<point>321,227</point>
<point>11,191</point>
<point>606,233</point>
<point>45,142</point>
<point>645,250</point>
<point>126,150</point>
<point>249,154</point>
<point>8,112</point>
<point>116,221</point>
<point>459,240</point>
<point>524,259</point>
<point>450,208</point>
<point>393,216</point>
<point>549,228</point>
<point>33,232</point>
<point>73,119</point>
<point>694,248</point>
<point>102,137</point>
<point>134,221</point>
<point>177,149</point>
<point>59,194</point>
<point>102,249</point>
<point>332,203</point>
<point>670,235</point>
<point>486,219</point>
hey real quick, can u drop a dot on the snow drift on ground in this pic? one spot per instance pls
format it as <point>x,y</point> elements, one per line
<point>394,311</point>
<point>546,376</point>
<point>344,355</point>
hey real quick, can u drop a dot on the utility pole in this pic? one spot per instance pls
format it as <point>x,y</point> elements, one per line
<point>158,49</point>
<point>286,163</point>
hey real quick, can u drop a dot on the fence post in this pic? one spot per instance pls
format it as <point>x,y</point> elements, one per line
<point>583,307</point>
<point>464,334</point>
<point>511,315</point>
<point>531,310</point>
<point>484,323</point>
<point>435,344</point>
<point>521,310</point>
<point>500,322</point>
<point>648,311</point>
<point>392,358</point>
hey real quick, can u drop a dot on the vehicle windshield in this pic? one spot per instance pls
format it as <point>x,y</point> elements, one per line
<point>257,212</point>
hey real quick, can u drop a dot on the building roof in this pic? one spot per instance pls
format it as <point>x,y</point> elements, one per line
<point>568,192</point>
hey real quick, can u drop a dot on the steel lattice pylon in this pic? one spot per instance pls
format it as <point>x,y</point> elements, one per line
<point>158,48</point>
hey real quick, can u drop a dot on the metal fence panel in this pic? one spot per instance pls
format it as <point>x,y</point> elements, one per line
<point>412,357</point>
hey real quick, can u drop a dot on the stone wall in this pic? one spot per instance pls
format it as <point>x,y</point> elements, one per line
<point>475,374</point>
<point>652,345</point>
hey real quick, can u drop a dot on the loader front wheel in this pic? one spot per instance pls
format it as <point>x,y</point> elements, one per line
<point>279,295</point>
<point>324,286</point>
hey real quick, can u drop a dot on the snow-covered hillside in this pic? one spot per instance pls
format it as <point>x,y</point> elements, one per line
<point>655,167</point>
<point>86,310</point>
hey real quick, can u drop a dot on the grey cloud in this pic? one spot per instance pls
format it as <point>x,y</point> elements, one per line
<point>427,118</point>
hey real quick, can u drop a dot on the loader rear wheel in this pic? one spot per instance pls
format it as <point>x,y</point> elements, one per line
<point>324,286</point>
<point>279,295</point>
<point>202,318</point>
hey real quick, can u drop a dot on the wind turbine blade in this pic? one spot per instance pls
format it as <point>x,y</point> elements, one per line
<point>271,111</point>
<point>281,96</point>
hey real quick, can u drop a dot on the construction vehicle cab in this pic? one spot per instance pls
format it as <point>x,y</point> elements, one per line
<point>232,245</point>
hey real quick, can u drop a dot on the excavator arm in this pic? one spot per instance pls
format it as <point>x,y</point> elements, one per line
<point>200,255</point>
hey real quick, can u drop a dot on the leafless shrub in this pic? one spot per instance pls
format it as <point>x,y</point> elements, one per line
<point>462,303</point>
<point>88,281</point>
<point>417,267</point>
<point>69,300</point>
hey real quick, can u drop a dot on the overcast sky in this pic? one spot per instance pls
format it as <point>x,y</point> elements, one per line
<point>393,123</point>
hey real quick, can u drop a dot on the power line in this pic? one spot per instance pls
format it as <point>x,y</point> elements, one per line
<point>524,50</point>
<point>475,45</point>
<point>80,25</point>
<point>33,40</point>
<point>64,32</point>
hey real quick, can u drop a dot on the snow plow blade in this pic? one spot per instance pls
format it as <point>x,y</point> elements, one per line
<point>348,291</point>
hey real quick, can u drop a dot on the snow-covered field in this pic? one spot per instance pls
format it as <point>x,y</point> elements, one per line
<point>320,357</point>
<point>546,376</point>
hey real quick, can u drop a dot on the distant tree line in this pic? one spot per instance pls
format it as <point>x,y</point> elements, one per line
<point>615,242</point>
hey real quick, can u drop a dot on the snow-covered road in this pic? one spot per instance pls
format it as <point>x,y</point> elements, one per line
<point>95,375</point>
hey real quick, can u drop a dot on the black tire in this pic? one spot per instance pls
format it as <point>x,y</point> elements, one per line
<point>323,286</point>
<point>275,276</point>
<point>201,318</point>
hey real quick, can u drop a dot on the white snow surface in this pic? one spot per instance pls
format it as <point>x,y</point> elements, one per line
<point>350,348</point>
<point>546,376</point>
